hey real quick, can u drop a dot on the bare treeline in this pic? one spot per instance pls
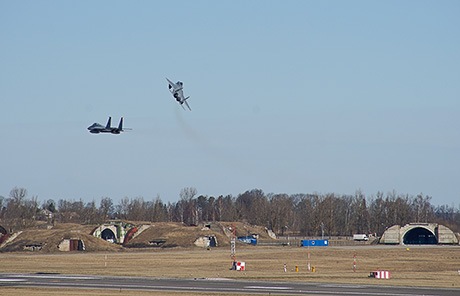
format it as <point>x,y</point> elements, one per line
<point>297,214</point>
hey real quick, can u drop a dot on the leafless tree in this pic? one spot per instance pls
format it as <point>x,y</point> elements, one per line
<point>188,208</point>
<point>106,208</point>
<point>304,214</point>
<point>423,209</point>
<point>280,212</point>
<point>160,211</point>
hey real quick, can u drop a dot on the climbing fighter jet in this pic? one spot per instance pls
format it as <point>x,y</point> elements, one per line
<point>97,128</point>
<point>176,90</point>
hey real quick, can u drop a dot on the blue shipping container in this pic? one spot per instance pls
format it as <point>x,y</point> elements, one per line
<point>315,243</point>
<point>248,240</point>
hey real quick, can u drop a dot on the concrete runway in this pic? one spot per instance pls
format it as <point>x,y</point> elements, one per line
<point>211,285</point>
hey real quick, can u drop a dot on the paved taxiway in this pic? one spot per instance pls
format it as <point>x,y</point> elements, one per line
<point>212,285</point>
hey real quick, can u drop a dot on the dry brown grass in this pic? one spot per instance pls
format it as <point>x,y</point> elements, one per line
<point>430,266</point>
<point>7,291</point>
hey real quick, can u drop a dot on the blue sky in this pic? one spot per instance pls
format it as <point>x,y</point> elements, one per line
<point>286,96</point>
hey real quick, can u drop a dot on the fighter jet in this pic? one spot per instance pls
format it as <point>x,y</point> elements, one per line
<point>176,90</point>
<point>97,128</point>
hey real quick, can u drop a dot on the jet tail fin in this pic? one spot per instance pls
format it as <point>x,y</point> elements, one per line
<point>185,101</point>
<point>109,123</point>
<point>120,125</point>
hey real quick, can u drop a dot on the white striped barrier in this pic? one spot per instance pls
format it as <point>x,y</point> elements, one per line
<point>380,274</point>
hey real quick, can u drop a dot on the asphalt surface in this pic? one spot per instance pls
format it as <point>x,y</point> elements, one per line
<point>211,285</point>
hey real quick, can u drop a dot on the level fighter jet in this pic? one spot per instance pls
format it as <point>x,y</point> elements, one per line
<point>178,94</point>
<point>97,128</point>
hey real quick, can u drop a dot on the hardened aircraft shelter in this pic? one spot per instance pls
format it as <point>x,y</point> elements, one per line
<point>419,234</point>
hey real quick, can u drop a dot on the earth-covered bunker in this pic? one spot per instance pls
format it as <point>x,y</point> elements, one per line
<point>114,231</point>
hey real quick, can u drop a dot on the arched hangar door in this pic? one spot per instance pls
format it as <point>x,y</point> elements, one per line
<point>108,235</point>
<point>420,236</point>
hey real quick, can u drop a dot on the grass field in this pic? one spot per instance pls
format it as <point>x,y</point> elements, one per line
<point>429,266</point>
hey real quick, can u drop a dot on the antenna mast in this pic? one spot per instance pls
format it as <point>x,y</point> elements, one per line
<point>233,247</point>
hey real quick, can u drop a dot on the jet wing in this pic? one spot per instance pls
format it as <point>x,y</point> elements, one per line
<point>172,84</point>
<point>185,101</point>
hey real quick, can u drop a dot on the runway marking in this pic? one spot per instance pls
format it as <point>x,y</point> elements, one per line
<point>267,287</point>
<point>52,276</point>
<point>343,286</point>
<point>98,282</point>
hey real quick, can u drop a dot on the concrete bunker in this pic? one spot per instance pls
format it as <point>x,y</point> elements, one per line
<point>71,244</point>
<point>419,234</point>
<point>206,241</point>
<point>115,232</point>
<point>157,242</point>
<point>33,247</point>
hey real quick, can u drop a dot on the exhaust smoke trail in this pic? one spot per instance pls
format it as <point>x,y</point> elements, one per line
<point>203,143</point>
